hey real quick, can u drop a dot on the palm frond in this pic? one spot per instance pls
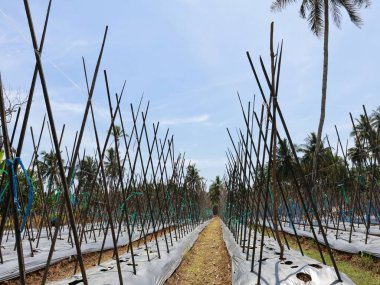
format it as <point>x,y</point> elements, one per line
<point>352,11</point>
<point>278,5</point>
<point>305,6</point>
<point>335,7</point>
<point>361,3</point>
<point>315,17</point>
<point>313,11</point>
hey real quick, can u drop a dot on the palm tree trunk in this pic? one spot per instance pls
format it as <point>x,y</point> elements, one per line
<point>324,87</point>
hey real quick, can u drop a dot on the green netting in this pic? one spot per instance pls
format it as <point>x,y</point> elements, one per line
<point>133,219</point>
<point>361,180</point>
<point>2,171</point>
<point>85,200</point>
<point>326,201</point>
<point>344,190</point>
<point>133,194</point>
<point>271,194</point>
<point>3,192</point>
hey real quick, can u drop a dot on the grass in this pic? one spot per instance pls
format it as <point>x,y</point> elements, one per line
<point>363,269</point>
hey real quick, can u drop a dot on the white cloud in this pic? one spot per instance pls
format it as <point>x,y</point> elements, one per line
<point>67,107</point>
<point>185,120</point>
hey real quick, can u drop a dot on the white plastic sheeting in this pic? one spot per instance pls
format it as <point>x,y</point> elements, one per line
<point>275,271</point>
<point>155,272</point>
<point>9,269</point>
<point>341,243</point>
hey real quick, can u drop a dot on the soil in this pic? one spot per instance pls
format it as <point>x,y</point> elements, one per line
<point>208,262</point>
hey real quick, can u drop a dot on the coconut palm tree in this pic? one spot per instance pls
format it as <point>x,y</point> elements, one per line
<point>192,175</point>
<point>49,168</point>
<point>193,181</point>
<point>365,137</point>
<point>117,133</point>
<point>375,122</point>
<point>111,163</point>
<point>193,186</point>
<point>317,14</point>
<point>214,194</point>
<point>357,154</point>
<point>285,160</point>
<point>375,118</point>
<point>363,128</point>
<point>308,151</point>
<point>86,171</point>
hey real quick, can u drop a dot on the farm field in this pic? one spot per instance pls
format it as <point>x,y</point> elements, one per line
<point>189,142</point>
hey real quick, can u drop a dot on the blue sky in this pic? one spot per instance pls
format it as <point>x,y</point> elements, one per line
<point>188,58</point>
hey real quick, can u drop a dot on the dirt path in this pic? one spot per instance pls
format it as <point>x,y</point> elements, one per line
<point>207,262</point>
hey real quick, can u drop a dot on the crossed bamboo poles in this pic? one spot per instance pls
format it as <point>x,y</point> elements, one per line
<point>251,178</point>
<point>344,202</point>
<point>150,193</point>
